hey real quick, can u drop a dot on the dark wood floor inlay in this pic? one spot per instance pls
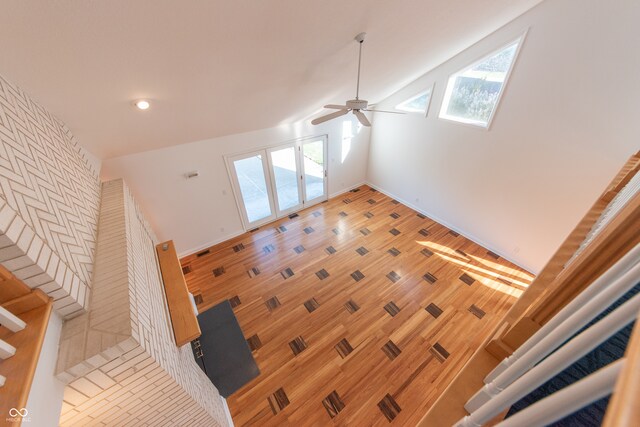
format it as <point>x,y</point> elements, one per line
<point>365,231</point>
<point>253,272</point>
<point>392,308</point>
<point>493,255</point>
<point>426,252</point>
<point>391,350</point>
<point>203,253</point>
<point>330,250</point>
<point>357,275</point>
<point>336,231</point>
<point>186,269</point>
<point>424,232</point>
<point>462,254</point>
<point>453,233</point>
<point>343,348</point>
<point>299,249</point>
<point>278,401</point>
<point>235,301</point>
<point>389,407</point>
<point>239,247</point>
<point>309,230</point>
<point>316,214</point>
<point>346,201</point>
<point>352,306</point>
<point>333,404</point>
<point>439,352</point>
<point>343,214</point>
<point>393,276</point>
<point>311,305</point>
<point>218,271</point>
<point>286,273</point>
<point>322,274</point>
<point>421,216</point>
<point>254,342</point>
<point>369,215</point>
<point>282,228</point>
<point>394,231</point>
<point>298,345</point>
<point>394,252</point>
<point>395,202</point>
<point>268,249</point>
<point>467,279</point>
<point>198,299</point>
<point>362,251</point>
<point>477,311</point>
<point>293,215</point>
<point>253,230</point>
<point>355,190</point>
<point>434,310</point>
<point>395,215</point>
<point>272,303</point>
<point>430,278</point>
<point>371,202</point>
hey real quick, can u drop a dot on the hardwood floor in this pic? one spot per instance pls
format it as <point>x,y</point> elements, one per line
<point>359,311</point>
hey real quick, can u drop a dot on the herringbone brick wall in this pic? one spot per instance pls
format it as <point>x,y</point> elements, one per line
<point>120,360</point>
<point>49,201</point>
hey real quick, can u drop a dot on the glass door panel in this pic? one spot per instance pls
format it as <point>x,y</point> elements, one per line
<point>314,160</point>
<point>286,178</point>
<point>251,182</point>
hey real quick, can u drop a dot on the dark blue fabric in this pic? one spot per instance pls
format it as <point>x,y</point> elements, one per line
<point>606,353</point>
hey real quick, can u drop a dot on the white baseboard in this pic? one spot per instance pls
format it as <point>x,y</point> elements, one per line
<point>227,412</point>
<point>450,226</point>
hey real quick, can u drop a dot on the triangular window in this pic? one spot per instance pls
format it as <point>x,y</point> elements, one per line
<point>416,104</point>
<point>473,94</point>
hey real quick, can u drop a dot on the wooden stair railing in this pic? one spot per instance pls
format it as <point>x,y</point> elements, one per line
<point>624,407</point>
<point>24,316</point>
<point>556,285</point>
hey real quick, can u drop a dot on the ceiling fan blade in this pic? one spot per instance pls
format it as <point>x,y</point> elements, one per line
<point>385,111</point>
<point>329,117</point>
<point>362,118</point>
<point>336,107</point>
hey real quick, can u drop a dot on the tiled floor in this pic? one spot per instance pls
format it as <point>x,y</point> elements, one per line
<point>358,310</point>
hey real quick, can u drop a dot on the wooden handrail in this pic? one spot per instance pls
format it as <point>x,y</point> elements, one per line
<point>183,319</point>
<point>552,289</point>
<point>34,308</point>
<point>624,406</point>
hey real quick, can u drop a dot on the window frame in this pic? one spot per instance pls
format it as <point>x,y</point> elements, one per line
<point>451,81</point>
<point>429,89</point>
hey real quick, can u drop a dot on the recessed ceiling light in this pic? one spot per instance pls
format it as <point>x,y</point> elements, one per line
<point>142,104</point>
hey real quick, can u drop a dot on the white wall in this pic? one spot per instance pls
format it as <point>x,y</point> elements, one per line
<point>199,212</point>
<point>45,397</point>
<point>566,124</point>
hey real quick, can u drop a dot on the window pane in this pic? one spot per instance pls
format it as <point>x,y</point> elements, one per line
<point>286,176</point>
<point>472,94</point>
<point>253,187</point>
<point>313,157</point>
<point>416,104</point>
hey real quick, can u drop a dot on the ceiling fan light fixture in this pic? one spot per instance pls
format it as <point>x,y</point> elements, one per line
<point>357,105</point>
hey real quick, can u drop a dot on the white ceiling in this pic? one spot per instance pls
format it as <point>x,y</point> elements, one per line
<point>214,68</point>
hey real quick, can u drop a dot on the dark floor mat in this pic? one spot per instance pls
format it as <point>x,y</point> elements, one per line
<point>226,357</point>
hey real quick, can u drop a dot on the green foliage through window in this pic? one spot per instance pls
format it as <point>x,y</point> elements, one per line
<point>473,93</point>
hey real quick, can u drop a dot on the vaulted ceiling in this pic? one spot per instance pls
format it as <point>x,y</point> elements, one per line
<point>214,67</point>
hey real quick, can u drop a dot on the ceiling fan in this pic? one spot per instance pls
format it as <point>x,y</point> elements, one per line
<point>357,105</point>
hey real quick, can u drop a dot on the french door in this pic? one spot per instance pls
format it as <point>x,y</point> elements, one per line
<point>274,182</point>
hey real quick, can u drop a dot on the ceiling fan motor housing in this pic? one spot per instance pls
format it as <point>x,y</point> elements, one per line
<point>357,104</point>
